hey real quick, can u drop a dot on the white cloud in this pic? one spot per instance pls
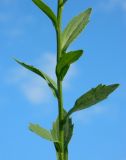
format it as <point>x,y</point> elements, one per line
<point>112,4</point>
<point>48,62</point>
<point>18,29</point>
<point>71,73</point>
<point>15,25</point>
<point>35,92</point>
<point>32,86</point>
<point>87,115</point>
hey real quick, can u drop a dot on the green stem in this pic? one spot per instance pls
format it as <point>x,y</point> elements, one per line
<point>59,82</point>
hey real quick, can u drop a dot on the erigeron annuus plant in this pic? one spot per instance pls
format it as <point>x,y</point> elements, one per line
<point>62,128</point>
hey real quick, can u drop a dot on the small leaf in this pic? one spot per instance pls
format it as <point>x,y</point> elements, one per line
<point>55,135</point>
<point>65,61</point>
<point>41,132</point>
<point>55,129</point>
<point>93,97</point>
<point>47,10</point>
<point>74,28</point>
<point>68,131</point>
<point>49,81</point>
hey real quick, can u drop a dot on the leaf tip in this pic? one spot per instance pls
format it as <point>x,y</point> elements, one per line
<point>30,127</point>
<point>115,86</point>
<point>81,51</point>
<point>89,10</point>
<point>16,60</point>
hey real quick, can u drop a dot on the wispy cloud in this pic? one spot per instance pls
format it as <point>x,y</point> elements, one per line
<point>47,61</point>
<point>87,115</point>
<point>14,24</point>
<point>112,4</point>
<point>32,86</point>
<point>71,73</point>
<point>35,91</point>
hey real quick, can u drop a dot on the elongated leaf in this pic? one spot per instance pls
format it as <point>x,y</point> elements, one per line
<point>65,61</point>
<point>49,81</point>
<point>41,132</point>
<point>55,129</point>
<point>47,10</point>
<point>93,97</point>
<point>68,131</point>
<point>55,135</point>
<point>73,29</point>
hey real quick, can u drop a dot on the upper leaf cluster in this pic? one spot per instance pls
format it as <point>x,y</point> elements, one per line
<point>70,33</point>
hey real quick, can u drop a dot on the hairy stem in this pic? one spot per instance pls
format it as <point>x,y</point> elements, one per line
<point>59,82</point>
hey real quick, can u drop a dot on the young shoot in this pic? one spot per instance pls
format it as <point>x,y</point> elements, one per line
<point>62,129</point>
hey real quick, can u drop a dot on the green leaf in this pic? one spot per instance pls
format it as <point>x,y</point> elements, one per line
<point>49,81</point>
<point>74,28</point>
<point>93,97</point>
<point>68,130</point>
<point>47,10</point>
<point>65,61</point>
<point>41,132</point>
<point>55,135</point>
<point>55,129</point>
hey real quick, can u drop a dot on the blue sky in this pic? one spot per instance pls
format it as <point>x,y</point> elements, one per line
<point>27,34</point>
